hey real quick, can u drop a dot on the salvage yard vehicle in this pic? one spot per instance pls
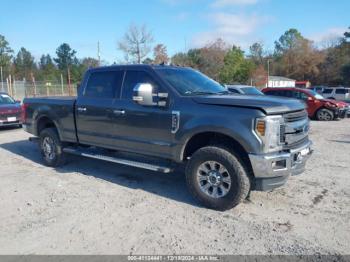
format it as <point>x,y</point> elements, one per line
<point>244,90</point>
<point>160,117</point>
<point>10,111</point>
<point>317,106</point>
<point>338,93</point>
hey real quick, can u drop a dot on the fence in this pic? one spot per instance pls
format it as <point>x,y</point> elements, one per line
<point>22,89</point>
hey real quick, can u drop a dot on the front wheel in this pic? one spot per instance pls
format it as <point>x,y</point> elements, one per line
<point>217,178</point>
<point>51,147</point>
<point>324,115</point>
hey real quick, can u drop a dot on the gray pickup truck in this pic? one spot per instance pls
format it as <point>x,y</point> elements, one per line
<point>163,117</point>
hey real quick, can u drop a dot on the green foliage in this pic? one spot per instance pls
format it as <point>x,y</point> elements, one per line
<point>288,41</point>
<point>236,68</point>
<point>65,57</point>
<point>345,72</point>
<point>5,54</point>
<point>48,70</point>
<point>347,34</point>
<point>24,64</point>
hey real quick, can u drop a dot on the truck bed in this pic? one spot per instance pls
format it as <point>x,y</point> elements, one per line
<point>59,109</point>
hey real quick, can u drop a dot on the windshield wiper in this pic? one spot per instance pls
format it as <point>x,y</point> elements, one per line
<point>201,93</point>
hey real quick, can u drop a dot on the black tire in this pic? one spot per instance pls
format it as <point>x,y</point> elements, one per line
<point>240,182</point>
<point>324,114</point>
<point>49,136</point>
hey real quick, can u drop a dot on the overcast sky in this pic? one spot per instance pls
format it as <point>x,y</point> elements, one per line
<point>40,26</point>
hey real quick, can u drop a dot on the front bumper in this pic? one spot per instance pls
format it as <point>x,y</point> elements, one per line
<point>272,170</point>
<point>14,123</point>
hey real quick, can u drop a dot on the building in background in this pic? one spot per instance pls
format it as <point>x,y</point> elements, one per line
<point>303,84</point>
<point>280,81</point>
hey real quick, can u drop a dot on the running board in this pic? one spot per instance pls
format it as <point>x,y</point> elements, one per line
<point>121,161</point>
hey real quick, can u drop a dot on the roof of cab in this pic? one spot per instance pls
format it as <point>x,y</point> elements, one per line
<point>136,66</point>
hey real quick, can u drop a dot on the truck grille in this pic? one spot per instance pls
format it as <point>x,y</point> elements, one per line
<point>295,116</point>
<point>295,129</point>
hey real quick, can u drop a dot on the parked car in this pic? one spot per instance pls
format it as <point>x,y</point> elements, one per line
<point>162,117</point>
<point>318,89</point>
<point>338,93</point>
<point>10,111</point>
<point>244,90</point>
<point>317,106</point>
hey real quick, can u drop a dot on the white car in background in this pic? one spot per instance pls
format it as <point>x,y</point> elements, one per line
<point>244,90</point>
<point>337,93</point>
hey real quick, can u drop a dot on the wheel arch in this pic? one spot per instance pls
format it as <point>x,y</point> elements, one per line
<point>44,122</point>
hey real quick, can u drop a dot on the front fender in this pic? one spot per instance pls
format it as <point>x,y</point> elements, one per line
<point>238,128</point>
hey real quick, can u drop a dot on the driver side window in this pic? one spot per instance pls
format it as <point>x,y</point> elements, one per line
<point>132,78</point>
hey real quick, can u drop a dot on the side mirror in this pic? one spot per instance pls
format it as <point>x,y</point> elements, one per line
<point>143,94</point>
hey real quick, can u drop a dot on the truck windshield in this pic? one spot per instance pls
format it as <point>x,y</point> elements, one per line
<point>251,91</point>
<point>5,99</point>
<point>189,82</point>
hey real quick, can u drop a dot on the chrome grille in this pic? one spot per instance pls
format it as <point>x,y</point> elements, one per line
<point>295,128</point>
<point>295,116</point>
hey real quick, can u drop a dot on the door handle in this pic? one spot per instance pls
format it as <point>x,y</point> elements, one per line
<point>82,109</point>
<point>119,112</point>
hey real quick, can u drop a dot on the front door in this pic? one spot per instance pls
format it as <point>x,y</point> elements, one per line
<point>143,129</point>
<point>95,108</point>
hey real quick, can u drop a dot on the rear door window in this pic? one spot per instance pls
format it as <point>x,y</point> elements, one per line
<point>105,84</point>
<point>340,91</point>
<point>327,91</point>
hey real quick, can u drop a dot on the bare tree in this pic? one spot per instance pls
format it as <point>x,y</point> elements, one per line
<point>160,54</point>
<point>136,43</point>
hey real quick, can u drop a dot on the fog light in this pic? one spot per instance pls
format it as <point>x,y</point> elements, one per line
<point>280,164</point>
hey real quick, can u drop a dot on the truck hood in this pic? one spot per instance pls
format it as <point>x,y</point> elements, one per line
<point>268,104</point>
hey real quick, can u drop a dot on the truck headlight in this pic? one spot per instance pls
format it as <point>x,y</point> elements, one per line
<point>268,129</point>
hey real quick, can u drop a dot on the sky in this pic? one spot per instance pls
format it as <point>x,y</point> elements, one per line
<point>41,26</point>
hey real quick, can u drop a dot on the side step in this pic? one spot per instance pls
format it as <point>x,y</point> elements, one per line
<point>133,163</point>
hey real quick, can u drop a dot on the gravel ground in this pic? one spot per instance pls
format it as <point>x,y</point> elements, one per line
<point>93,207</point>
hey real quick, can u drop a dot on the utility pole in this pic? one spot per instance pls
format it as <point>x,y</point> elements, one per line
<point>69,85</point>
<point>98,53</point>
<point>268,72</point>
<point>2,80</point>
<point>62,84</point>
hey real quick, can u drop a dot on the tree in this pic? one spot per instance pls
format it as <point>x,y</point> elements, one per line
<point>24,64</point>
<point>345,72</point>
<point>89,62</point>
<point>48,70</point>
<point>257,53</point>
<point>296,57</point>
<point>236,68</point>
<point>212,58</point>
<point>65,57</point>
<point>136,43</point>
<point>5,53</point>
<point>347,34</point>
<point>160,54</point>
<point>288,41</point>
<point>148,61</point>
<point>180,59</point>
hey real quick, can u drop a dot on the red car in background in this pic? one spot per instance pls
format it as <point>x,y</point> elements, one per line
<point>10,111</point>
<point>317,106</point>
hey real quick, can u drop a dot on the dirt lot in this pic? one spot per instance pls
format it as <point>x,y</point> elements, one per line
<point>93,207</point>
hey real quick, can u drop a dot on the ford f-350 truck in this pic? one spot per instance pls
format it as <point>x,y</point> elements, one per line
<point>160,117</point>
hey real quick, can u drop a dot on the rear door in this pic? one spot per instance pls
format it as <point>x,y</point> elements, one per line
<point>95,108</point>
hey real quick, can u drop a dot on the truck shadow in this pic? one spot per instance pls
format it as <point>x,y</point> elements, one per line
<point>172,186</point>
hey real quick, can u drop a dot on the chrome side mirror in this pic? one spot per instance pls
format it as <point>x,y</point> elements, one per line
<point>143,94</point>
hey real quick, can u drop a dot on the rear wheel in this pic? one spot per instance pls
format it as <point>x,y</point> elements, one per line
<point>217,178</point>
<point>324,115</point>
<point>51,147</point>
